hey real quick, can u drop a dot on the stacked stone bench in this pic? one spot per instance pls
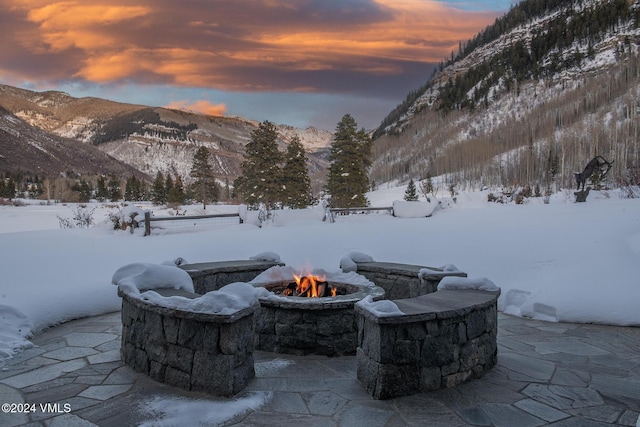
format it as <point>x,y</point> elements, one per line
<point>440,340</point>
<point>211,276</point>
<point>194,351</point>
<point>404,280</point>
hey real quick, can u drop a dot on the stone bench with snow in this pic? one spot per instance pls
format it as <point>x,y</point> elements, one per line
<point>184,339</point>
<point>211,276</point>
<point>399,280</point>
<point>438,340</point>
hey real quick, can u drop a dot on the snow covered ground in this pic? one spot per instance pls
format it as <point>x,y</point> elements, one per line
<point>561,261</point>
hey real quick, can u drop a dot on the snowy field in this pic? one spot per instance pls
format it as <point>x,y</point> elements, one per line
<point>561,261</point>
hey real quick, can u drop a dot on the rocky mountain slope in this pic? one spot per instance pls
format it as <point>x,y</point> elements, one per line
<point>27,149</point>
<point>528,101</point>
<point>149,139</point>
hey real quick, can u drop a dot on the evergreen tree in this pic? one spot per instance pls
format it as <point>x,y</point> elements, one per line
<point>426,186</point>
<point>168,184</point>
<point>84,191</point>
<point>350,161</point>
<point>410,194</point>
<point>204,186</point>
<point>101,190</point>
<point>158,191</point>
<point>261,180</point>
<point>114,191</point>
<point>296,189</point>
<point>177,194</point>
<point>134,189</point>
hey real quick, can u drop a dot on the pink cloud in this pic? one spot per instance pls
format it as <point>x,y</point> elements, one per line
<point>201,106</point>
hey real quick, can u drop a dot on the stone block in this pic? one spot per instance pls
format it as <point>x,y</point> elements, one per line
<point>476,324</point>
<point>157,371</point>
<point>242,374</point>
<point>406,351</point>
<point>367,372</point>
<point>397,380</point>
<point>171,326</point>
<point>177,378</point>
<point>180,358</point>
<point>211,338</point>
<point>457,378</point>
<point>430,378</point>
<point>141,361</point>
<point>153,327</point>
<point>212,374</point>
<point>190,334</point>
<point>439,351</point>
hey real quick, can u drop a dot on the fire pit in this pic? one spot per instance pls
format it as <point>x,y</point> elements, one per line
<point>310,313</point>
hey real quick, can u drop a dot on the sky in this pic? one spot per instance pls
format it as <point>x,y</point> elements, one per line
<point>297,62</point>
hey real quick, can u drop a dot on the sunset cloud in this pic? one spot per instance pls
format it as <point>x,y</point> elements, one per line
<point>358,47</point>
<point>202,106</point>
<point>204,43</point>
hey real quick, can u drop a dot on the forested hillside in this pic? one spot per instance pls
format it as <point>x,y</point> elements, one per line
<point>528,101</point>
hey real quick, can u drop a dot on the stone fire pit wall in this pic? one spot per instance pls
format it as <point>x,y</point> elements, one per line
<point>285,327</point>
<point>404,280</point>
<point>194,351</point>
<point>441,340</point>
<point>211,276</point>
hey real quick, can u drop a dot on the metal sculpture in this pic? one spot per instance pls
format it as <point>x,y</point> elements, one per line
<point>598,163</point>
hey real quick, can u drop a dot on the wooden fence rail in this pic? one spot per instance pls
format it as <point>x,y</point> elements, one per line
<point>363,210</point>
<point>148,219</point>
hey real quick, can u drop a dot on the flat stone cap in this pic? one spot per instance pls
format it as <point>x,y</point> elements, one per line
<point>227,266</point>
<point>405,269</point>
<point>442,304</point>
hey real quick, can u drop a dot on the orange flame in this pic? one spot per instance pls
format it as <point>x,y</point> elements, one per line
<point>305,282</point>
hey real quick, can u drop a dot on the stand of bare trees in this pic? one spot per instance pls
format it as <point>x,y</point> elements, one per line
<point>548,134</point>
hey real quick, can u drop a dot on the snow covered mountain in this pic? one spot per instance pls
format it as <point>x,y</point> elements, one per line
<point>151,139</point>
<point>529,100</point>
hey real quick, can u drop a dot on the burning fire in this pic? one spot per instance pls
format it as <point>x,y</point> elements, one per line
<point>311,286</point>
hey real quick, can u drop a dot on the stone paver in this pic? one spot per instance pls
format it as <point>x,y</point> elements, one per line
<point>548,374</point>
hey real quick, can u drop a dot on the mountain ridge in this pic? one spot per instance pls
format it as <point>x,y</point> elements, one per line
<point>151,139</point>
<point>496,114</point>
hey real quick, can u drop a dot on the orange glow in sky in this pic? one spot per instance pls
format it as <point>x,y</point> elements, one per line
<point>238,46</point>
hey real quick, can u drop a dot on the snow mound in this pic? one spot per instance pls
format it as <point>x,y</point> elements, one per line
<point>15,328</point>
<point>349,262</point>
<point>176,262</point>
<point>449,268</point>
<point>136,277</point>
<point>228,300</point>
<point>382,308</point>
<point>406,209</point>
<point>521,303</point>
<point>478,283</point>
<point>174,411</point>
<point>266,256</point>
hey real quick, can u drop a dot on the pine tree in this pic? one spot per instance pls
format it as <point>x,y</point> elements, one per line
<point>426,186</point>
<point>177,194</point>
<point>350,161</point>
<point>168,184</point>
<point>114,191</point>
<point>205,187</point>
<point>101,190</point>
<point>261,180</point>
<point>296,189</point>
<point>158,191</point>
<point>84,191</point>
<point>410,194</point>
